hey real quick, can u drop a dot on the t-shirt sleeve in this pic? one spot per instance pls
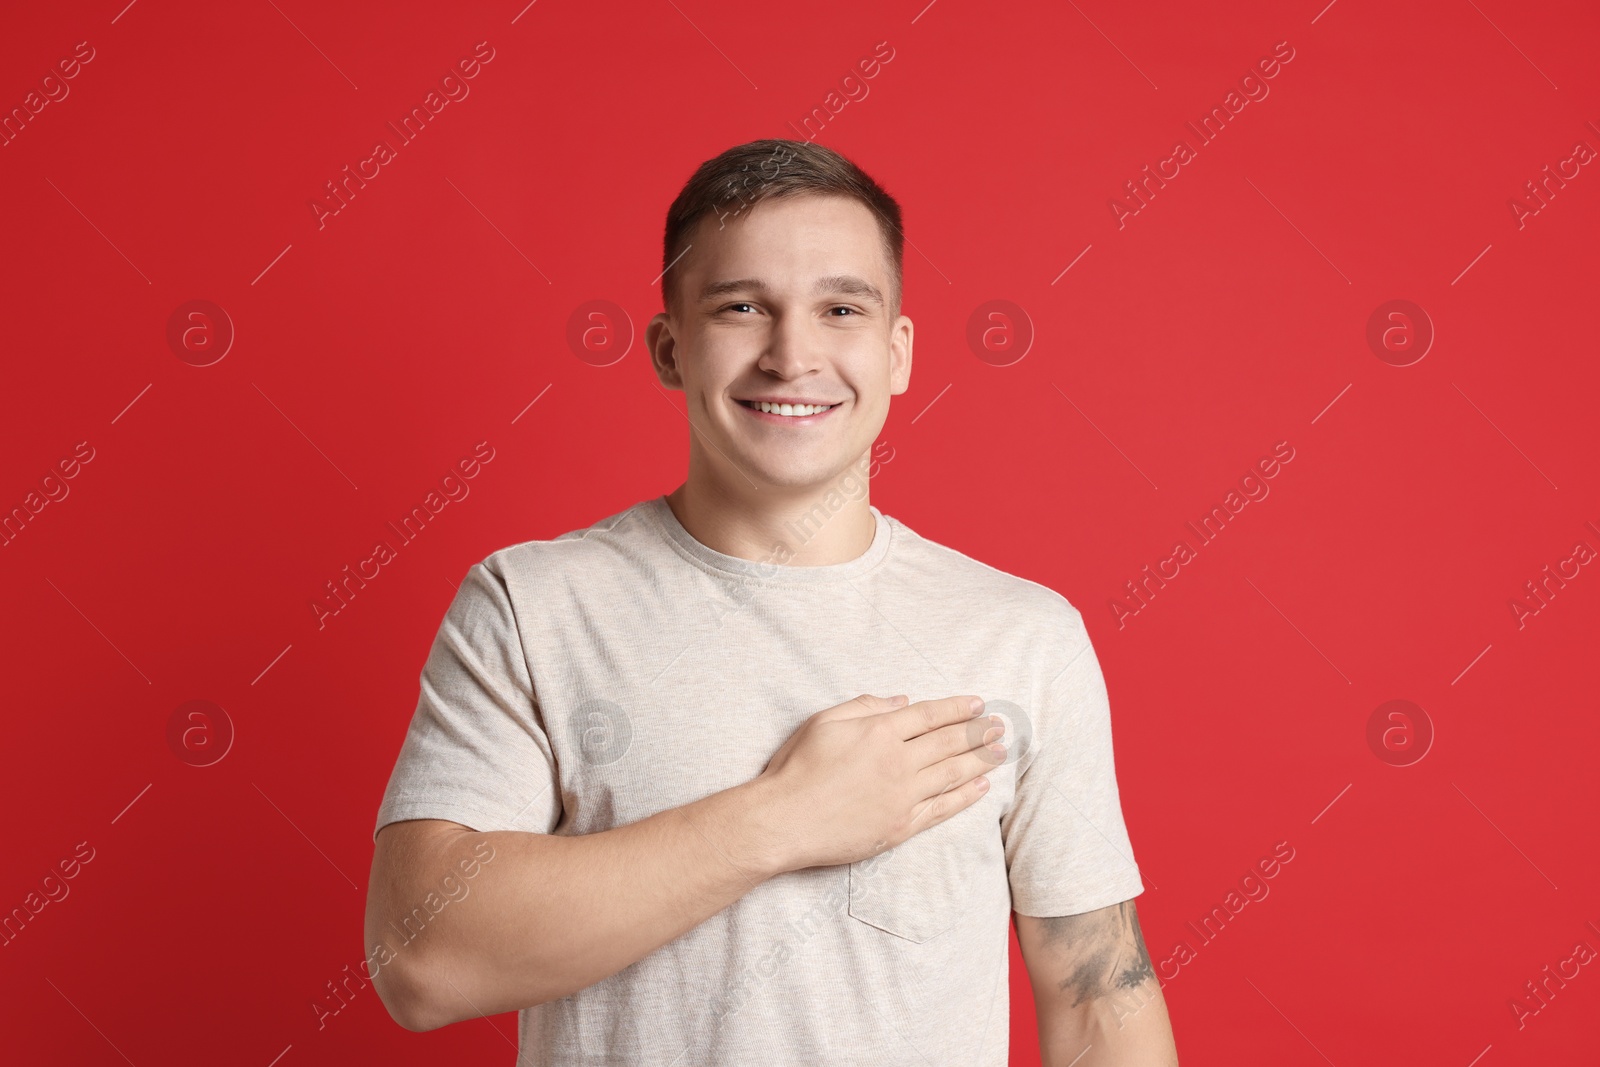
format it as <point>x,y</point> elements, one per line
<point>1067,849</point>
<point>476,751</point>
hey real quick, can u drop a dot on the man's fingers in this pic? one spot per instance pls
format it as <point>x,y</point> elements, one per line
<point>864,705</point>
<point>917,719</point>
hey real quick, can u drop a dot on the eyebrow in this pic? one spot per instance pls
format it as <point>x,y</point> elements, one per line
<point>842,284</point>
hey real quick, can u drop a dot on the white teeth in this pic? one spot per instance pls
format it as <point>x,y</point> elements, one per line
<point>798,410</point>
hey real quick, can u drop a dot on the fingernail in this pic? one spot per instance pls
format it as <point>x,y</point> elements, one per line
<point>976,704</point>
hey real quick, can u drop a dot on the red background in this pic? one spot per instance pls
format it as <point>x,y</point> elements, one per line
<point>1227,315</point>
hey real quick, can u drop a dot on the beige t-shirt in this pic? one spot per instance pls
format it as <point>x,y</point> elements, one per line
<point>586,682</point>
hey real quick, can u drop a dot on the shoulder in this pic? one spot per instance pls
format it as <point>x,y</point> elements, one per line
<point>1024,604</point>
<point>543,564</point>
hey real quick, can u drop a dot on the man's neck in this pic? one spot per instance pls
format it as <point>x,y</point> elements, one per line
<point>766,526</point>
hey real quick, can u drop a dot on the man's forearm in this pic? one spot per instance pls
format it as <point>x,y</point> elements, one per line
<point>549,914</point>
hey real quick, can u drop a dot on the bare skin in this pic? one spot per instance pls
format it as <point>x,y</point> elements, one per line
<point>549,914</point>
<point>795,299</point>
<point>1099,1003</point>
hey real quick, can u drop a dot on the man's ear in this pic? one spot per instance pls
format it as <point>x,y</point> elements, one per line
<point>900,338</point>
<point>663,349</point>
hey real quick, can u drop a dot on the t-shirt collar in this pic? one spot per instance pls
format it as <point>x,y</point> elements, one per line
<point>768,571</point>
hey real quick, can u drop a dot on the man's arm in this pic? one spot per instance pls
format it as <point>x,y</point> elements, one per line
<point>546,915</point>
<point>1094,989</point>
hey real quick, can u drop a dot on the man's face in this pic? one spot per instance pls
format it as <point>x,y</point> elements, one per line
<point>786,302</point>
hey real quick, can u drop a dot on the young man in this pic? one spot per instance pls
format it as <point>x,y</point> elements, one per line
<point>647,798</point>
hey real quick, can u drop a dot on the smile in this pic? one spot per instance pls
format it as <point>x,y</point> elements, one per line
<point>788,413</point>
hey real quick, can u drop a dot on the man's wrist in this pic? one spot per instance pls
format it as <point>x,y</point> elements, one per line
<point>759,841</point>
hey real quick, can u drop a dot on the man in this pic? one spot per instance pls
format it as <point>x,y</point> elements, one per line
<point>669,821</point>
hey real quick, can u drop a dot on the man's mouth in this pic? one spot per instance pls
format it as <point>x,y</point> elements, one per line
<point>790,411</point>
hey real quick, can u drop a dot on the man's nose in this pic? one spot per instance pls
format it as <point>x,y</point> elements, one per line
<point>792,348</point>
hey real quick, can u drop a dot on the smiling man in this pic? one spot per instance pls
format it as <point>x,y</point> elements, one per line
<point>694,834</point>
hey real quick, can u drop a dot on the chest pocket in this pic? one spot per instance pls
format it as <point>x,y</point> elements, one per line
<point>918,889</point>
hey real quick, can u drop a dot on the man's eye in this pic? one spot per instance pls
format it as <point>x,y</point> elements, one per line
<point>845,307</point>
<point>741,304</point>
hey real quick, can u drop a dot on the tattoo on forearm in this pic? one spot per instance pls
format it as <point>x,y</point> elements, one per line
<point>1103,950</point>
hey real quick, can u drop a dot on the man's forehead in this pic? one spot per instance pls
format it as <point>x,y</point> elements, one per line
<point>780,244</point>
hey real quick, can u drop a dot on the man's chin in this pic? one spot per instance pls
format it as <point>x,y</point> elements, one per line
<point>790,478</point>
